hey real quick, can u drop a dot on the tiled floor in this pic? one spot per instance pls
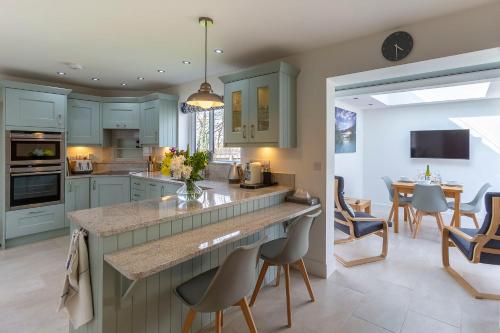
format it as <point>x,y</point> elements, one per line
<point>409,292</point>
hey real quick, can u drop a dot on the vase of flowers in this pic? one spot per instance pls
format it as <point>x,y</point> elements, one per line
<point>181,165</point>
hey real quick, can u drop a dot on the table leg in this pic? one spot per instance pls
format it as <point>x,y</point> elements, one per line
<point>368,209</point>
<point>396,210</point>
<point>456,214</point>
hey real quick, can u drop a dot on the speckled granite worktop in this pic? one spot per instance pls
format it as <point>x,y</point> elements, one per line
<point>116,219</point>
<point>141,261</point>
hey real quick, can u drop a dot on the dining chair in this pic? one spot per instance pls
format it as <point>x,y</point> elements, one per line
<point>284,252</point>
<point>403,202</point>
<point>222,287</point>
<point>357,225</point>
<point>481,245</point>
<point>471,208</point>
<point>428,200</point>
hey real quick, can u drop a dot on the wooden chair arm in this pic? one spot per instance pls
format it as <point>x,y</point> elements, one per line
<point>461,234</point>
<point>367,219</point>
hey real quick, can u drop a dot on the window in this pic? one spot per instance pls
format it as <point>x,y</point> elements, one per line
<point>209,135</point>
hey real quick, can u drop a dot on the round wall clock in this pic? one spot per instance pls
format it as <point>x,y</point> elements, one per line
<point>397,46</point>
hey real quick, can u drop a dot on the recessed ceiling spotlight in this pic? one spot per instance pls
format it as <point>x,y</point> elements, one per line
<point>140,78</point>
<point>95,79</point>
<point>61,73</point>
<point>185,62</point>
<point>219,51</point>
<point>370,104</point>
<point>124,84</point>
<point>160,70</point>
<point>355,98</point>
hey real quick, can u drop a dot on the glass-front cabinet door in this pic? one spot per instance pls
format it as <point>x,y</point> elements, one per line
<point>236,112</point>
<point>263,109</point>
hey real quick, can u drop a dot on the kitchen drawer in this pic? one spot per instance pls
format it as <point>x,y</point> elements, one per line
<point>34,220</point>
<point>171,189</point>
<point>137,184</point>
<point>137,195</point>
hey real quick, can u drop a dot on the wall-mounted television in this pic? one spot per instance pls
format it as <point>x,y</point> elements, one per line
<point>451,144</point>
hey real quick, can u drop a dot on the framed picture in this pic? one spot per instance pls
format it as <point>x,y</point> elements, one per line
<point>345,131</point>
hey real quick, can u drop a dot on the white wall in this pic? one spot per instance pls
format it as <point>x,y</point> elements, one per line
<point>387,145</point>
<point>350,165</point>
<point>313,161</point>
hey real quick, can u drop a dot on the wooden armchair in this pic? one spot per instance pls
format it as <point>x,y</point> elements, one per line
<point>477,245</point>
<point>357,225</point>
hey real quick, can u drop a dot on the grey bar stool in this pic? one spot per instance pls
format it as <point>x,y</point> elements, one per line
<point>285,252</point>
<point>470,208</point>
<point>428,200</point>
<point>222,287</point>
<point>404,202</point>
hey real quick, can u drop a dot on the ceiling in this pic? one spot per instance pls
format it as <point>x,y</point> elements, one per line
<point>120,40</point>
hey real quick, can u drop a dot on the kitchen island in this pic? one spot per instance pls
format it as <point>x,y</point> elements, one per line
<point>140,251</point>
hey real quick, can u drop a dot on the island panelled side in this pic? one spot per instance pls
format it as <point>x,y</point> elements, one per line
<point>152,306</point>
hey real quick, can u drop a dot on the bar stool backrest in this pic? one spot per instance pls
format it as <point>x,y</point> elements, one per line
<point>234,279</point>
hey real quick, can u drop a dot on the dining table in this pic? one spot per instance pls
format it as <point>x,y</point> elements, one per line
<point>407,187</point>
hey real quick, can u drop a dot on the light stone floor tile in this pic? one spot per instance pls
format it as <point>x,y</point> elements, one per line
<point>408,292</point>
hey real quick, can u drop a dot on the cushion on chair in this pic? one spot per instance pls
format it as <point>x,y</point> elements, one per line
<point>360,228</point>
<point>193,290</point>
<point>467,248</point>
<point>272,249</point>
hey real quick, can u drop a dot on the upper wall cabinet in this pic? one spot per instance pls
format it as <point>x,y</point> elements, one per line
<point>84,122</point>
<point>120,115</point>
<point>260,106</point>
<point>159,121</point>
<point>34,107</point>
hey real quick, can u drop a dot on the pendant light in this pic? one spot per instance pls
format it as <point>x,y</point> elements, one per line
<point>205,97</point>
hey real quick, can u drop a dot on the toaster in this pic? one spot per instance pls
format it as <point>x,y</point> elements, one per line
<point>80,166</point>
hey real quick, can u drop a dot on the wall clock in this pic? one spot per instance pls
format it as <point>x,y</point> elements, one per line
<point>397,46</point>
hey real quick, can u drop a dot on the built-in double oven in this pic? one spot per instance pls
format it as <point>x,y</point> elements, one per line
<point>34,169</point>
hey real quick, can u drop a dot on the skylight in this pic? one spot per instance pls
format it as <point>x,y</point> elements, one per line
<point>442,94</point>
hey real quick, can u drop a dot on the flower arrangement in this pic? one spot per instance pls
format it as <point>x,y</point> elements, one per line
<point>180,164</point>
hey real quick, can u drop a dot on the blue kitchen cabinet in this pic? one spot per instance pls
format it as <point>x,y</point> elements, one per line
<point>120,115</point>
<point>150,122</point>
<point>159,121</point>
<point>111,190</point>
<point>260,106</point>
<point>76,195</point>
<point>25,108</point>
<point>84,122</point>
<point>31,221</point>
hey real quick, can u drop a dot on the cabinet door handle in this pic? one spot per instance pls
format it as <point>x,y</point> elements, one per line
<point>93,185</point>
<point>244,131</point>
<point>252,131</point>
<point>36,212</point>
<point>71,187</point>
<point>162,190</point>
<point>124,125</point>
<point>152,184</point>
<point>59,119</point>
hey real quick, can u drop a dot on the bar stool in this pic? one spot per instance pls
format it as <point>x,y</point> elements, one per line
<point>285,252</point>
<point>222,287</point>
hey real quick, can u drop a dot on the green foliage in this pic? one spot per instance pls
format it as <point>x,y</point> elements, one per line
<point>198,161</point>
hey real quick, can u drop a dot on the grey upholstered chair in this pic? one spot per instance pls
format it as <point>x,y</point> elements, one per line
<point>470,208</point>
<point>357,225</point>
<point>480,245</point>
<point>428,200</point>
<point>222,287</point>
<point>403,202</point>
<point>285,252</point>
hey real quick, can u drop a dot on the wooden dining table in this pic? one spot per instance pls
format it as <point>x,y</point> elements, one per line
<point>406,188</point>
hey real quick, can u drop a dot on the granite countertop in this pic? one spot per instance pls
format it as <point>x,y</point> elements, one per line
<point>144,260</point>
<point>116,219</point>
<point>102,174</point>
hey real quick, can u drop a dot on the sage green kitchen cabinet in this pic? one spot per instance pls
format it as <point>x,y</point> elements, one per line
<point>120,115</point>
<point>25,108</point>
<point>76,196</point>
<point>155,190</point>
<point>260,106</point>
<point>159,122</point>
<point>111,190</point>
<point>31,221</point>
<point>84,122</point>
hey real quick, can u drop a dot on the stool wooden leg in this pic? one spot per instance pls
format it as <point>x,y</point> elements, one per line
<point>305,276</point>
<point>278,276</point>
<point>391,213</point>
<point>262,275</point>
<point>188,322</point>
<point>218,322</point>
<point>288,296</point>
<point>248,315</point>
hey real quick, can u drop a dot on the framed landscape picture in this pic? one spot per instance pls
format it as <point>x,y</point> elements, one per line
<point>345,131</point>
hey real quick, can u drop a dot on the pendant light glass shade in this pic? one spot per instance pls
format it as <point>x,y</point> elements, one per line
<point>205,97</point>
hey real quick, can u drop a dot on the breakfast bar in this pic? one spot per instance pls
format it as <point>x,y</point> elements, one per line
<point>140,251</point>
